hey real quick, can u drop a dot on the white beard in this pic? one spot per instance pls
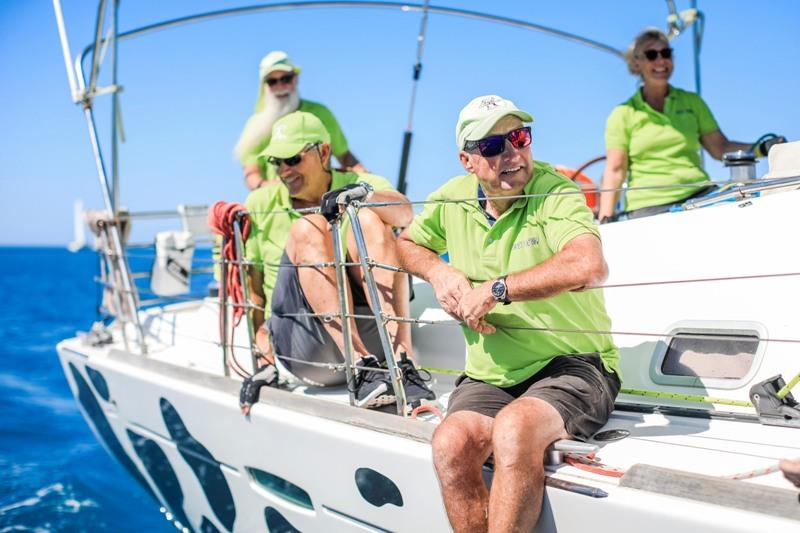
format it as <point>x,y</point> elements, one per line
<point>259,126</point>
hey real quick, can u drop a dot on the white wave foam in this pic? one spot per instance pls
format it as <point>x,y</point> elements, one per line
<point>58,488</point>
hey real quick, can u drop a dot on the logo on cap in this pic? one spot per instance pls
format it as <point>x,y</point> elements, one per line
<point>280,132</point>
<point>489,103</point>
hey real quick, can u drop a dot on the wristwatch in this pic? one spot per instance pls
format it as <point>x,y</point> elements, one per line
<point>500,290</point>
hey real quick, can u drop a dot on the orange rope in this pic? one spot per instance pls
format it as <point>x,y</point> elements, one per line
<point>221,216</point>
<point>590,464</point>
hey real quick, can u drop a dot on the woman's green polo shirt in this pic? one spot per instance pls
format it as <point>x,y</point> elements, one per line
<point>529,233</point>
<point>663,148</point>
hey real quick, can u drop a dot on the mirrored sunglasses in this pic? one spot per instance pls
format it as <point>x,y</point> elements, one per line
<point>286,78</point>
<point>496,144</point>
<point>651,55</point>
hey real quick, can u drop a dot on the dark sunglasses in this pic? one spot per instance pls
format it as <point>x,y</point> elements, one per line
<point>651,55</point>
<point>496,144</point>
<point>286,78</point>
<point>291,161</point>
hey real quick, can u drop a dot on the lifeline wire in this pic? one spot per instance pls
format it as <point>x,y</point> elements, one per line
<point>312,210</point>
<point>693,398</point>
<point>330,316</point>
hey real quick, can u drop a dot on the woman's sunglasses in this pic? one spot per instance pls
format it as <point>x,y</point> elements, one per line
<point>291,161</point>
<point>496,144</point>
<point>651,55</point>
<point>286,78</point>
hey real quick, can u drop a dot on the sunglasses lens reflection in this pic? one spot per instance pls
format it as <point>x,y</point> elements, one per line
<point>520,138</point>
<point>492,146</point>
<point>496,144</point>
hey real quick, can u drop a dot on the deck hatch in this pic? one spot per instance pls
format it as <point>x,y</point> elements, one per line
<point>281,488</point>
<point>713,355</point>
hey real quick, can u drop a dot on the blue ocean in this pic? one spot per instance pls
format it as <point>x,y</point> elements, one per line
<point>54,475</point>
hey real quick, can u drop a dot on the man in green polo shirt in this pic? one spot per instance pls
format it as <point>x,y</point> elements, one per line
<point>519,277</point>
<point>277,96</point>
<point>281,239</point>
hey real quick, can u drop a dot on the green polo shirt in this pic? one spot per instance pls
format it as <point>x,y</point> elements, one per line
<point>530,232</point>
<point>271,217</point>
<point>338,140</point>
<point>663,148</point>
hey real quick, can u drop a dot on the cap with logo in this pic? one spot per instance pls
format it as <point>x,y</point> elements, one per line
<point>276,60</point>
<point>293,132</point>
<point>480,115</point>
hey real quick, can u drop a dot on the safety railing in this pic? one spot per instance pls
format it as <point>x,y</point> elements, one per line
<point>345,315</point>
<point>123,294</point>
<point>113,272</point>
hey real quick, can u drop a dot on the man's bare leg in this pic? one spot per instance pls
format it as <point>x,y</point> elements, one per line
<point>461,444</point>
<point>310,241</point>
<point>521,433</point>
<point>393,290</point>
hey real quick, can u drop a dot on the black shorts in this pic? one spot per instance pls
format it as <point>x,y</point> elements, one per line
<point>577,386</point>
<point>305,337</point>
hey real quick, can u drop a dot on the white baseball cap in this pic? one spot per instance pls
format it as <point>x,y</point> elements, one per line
<point>276,60</point>
<point>480,115</point>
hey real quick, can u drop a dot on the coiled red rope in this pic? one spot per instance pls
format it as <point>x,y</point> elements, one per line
<point>221,216</point>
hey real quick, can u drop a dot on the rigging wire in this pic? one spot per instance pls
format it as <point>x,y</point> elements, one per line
<point>314,210</point>
<point>577,191</point>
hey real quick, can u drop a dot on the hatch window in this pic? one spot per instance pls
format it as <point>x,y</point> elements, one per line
<point>713,354</point>
<point>710,355</point>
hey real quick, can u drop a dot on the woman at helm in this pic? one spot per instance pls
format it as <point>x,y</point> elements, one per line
<point>653,139</point>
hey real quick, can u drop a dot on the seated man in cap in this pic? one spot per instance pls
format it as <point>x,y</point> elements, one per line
<point>517,277</point>
<point>300,151</point>
<point>278,96</point>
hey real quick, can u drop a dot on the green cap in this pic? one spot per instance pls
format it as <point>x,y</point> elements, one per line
<point>293,132</point>
<point>276,60</point>
<point>480,115</point>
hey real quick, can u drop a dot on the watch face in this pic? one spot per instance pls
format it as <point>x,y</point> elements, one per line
<point>498,289</point>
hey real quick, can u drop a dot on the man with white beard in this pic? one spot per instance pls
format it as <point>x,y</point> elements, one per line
<point>278,96</point>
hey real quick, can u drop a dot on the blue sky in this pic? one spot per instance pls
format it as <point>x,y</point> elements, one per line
<point>188,91</point>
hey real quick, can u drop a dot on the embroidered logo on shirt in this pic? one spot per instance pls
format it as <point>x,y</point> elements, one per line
<point>683,111</point>
<point>527,243</point>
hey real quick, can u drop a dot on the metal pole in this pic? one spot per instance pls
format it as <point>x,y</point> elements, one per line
<point>405,7</point>
<point>223,309</point>
<point>696,56</point>
<point>237,235</point>
<point>406,152</point>
<point>62,34</point>
<point>112,282</point>
<point>114,111</point>
<point>98,38</point>
<point>397,382</point>
<point>696,49</point>
<point>114,230</point>
<point>344,308</point>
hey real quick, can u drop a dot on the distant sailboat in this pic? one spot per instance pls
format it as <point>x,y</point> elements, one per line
<point>79,236</point>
